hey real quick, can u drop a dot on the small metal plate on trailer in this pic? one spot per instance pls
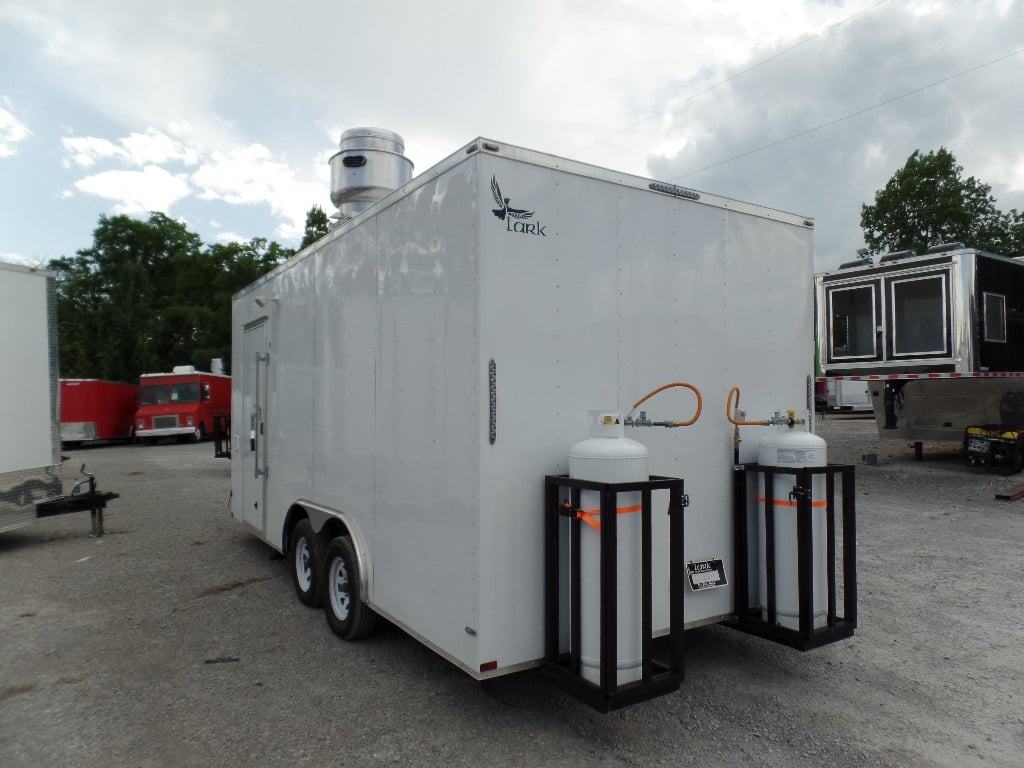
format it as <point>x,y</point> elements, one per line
<point>706,574</point>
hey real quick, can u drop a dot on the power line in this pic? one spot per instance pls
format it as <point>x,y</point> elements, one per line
<point>853,114</point>
<point>729,79</point>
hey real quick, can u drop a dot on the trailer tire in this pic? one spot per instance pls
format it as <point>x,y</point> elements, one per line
<point>305,564</point>
<point>1017,457</point>
<point>347,615</point>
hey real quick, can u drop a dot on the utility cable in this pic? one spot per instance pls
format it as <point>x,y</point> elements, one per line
<point>729,79</point>
<point>859,112</point>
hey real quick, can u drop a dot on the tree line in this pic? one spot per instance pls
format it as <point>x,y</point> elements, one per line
<point>149,295</point>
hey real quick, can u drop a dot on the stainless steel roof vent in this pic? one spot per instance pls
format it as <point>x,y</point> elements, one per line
<point>367,168</point>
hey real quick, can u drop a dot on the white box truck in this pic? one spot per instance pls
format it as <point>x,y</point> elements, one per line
<point>403,387</point>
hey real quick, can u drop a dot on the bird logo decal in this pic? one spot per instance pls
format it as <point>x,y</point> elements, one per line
<point>503,208</point>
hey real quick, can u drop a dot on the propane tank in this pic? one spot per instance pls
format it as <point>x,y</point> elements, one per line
<point>789,448</point>
<point>610,457</point>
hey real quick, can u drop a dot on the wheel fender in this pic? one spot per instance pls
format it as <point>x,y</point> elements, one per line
<point>320,516</point>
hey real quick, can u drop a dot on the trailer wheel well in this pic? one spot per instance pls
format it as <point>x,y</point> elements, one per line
<point>295,514</point>
<point>331,529</point>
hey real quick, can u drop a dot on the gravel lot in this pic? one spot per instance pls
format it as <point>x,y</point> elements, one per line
<point>176,640</point>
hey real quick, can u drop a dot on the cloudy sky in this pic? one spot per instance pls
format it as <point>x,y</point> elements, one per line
<point>223,114</point>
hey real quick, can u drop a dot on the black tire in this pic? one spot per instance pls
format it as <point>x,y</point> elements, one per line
<point>347,616</point>
<point>1017,460</point>
<point>303,556</point>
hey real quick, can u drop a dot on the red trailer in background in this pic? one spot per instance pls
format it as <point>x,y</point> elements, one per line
<point>181,404</point>
<point>92,409</point>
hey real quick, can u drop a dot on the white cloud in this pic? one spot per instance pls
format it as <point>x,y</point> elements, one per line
<point>231,102</point>
<point>242,176</point>
<point>824,151</point>
<point>156,147</point>
<point>151,189</point>
<point>17,258</point>
<point>252,175</point>
<point>136,149</point>
<point>86,151</point>
<point>12,130</point>
<point>231,237</point>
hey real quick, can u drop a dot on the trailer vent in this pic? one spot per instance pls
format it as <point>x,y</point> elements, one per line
<point>897,255</point>
<point>671,189</point>
<point>369,166</point>
<point>867,261</point>
<point>946,247</point>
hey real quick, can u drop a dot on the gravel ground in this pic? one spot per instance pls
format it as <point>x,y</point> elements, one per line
<point>176,640</point>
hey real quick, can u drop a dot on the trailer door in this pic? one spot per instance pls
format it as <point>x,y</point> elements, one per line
<point>254,414</point>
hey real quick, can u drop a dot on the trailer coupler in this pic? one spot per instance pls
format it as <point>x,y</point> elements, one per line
<point>94,501</point>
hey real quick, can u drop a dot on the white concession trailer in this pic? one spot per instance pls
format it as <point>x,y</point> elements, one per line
<point>407,392</point>
<point>29,391</point>
<point>30,458</point>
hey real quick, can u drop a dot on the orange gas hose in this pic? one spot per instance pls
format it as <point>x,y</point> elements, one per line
<point>652,393</point>
<point>729,411</point>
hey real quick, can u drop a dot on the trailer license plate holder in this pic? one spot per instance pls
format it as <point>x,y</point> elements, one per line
<point>706,574</point>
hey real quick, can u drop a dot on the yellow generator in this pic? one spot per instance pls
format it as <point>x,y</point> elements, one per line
<point>993,446</point>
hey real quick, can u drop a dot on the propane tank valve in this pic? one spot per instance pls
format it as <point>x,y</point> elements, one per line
<point>789,420</point>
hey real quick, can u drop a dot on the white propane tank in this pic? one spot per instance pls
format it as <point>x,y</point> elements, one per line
<point>610,457</point>
<point>789,448</point>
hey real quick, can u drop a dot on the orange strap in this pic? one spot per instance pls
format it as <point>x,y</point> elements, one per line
<point>588,515</point>
<point>788,503</point>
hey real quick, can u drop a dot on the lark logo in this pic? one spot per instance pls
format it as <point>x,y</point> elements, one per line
<point>514,218</point>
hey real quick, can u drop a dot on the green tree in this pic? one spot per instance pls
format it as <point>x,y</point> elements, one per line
<point>111,296</point>
<point>1013,235</point>
<point>927,202</point>
<point>148,296</point>
<point>317,225</point>
<point>233,267</point>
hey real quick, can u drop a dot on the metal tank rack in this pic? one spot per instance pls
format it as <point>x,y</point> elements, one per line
<point>564,669</point>
<point>763,620</point>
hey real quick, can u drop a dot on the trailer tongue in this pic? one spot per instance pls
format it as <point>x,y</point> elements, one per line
<point>90,500</point>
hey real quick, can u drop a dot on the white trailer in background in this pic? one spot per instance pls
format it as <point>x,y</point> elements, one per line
<point>850,394</point>
<point>403,387</point>
<point>29,412</point>
<point>30,459</point>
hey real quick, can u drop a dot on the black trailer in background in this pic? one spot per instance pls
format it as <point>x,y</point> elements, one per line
<point>939,338</point>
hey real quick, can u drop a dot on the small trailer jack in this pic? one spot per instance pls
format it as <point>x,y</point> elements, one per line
<point>79,501</point>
